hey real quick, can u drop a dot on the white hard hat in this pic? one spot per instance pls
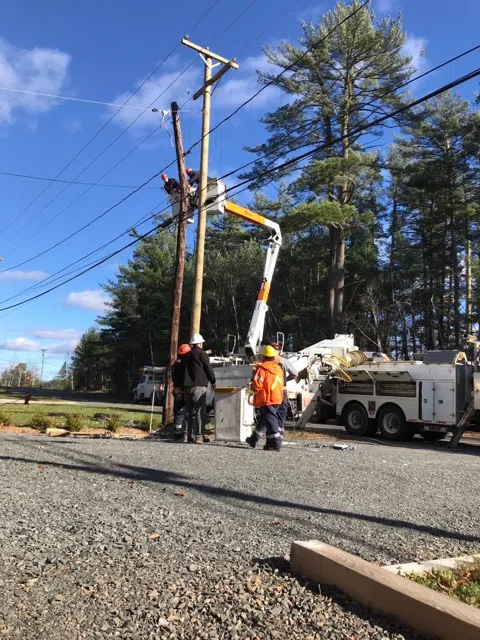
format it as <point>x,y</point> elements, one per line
<point>196,339</point>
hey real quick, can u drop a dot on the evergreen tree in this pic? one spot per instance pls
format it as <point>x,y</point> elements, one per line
<point>338,83</point>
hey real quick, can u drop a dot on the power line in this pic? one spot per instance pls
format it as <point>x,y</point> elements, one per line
<point>116,138</point>
<point>71,98</point>
<point>169,165</point>
<point>160,64</point>
<point>90,184</point>
<point>289,162</point>
<point>273,80</point>
<point>121,160</point>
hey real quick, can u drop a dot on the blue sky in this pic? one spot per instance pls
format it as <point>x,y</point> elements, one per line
<point>102,51</point>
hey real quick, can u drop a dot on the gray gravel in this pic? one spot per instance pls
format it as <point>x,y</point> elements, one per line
<point>121,539</point>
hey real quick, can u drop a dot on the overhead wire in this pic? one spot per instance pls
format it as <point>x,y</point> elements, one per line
<point>303,156</point>
<point>166,167</point>
<point>237,17</point>
<point>160,64</point>
<point>170,221</point>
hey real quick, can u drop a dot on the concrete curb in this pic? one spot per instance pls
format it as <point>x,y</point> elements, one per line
<point>429,565</point>
<point>419,607</point>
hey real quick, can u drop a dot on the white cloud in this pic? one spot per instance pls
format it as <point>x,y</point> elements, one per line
<point>57,334</point>
<point>22,275</point>
<point>242,84</point>
<point>311,14</point>
<point>19,344</point>
<point>159,84</point>
<point>415,47</point>
<point>384,7</point>
<point>37,70</point>
<point>91,299</point>
<point>68,346</point>
<point>236,87</point>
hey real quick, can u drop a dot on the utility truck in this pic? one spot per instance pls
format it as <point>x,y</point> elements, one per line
<point>151,385</point>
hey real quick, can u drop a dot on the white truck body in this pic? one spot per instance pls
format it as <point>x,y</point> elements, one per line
<point>432,394</point>
<point>152,381</point>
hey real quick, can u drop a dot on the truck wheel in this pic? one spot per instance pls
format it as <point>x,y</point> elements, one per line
<point>392,424</point>
<point>355,420</point>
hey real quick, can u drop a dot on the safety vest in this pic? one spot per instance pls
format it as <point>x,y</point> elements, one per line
<point>267,384</point>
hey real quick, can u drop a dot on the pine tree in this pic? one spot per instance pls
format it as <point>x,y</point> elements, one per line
<point>345,81</point>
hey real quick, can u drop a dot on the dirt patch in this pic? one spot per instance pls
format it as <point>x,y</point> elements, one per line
<point>11,429</point>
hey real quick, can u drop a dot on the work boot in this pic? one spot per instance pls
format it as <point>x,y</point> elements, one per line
<point>198,440</point>
<point>185,438</point>
<point>251,442</point>
<point>191,439</point>
<point>206,439</point>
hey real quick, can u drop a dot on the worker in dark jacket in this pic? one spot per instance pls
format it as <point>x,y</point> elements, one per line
<point>178,374</point>
<point>198,374</point>
<point>170,184</point>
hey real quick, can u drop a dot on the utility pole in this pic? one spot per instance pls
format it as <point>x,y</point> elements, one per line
<point>179,265</point>
<point>206,91</point>
<point>41,371</point>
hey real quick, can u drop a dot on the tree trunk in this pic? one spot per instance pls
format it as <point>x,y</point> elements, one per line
<point>339,282</point>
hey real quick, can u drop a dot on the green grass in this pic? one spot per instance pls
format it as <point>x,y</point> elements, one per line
<point>462,583</point>
<point>21,414</point>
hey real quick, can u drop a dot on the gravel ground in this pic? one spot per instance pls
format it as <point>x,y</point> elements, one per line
<point>121,539</point>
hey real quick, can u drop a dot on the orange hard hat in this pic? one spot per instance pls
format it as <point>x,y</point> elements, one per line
<point>189,170</point>
<point>183,349</point>
<point>164,176</point>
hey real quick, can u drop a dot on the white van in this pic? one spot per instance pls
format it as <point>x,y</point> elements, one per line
<point>152,381</point>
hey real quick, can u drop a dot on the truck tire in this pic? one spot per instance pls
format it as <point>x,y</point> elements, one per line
<point>392,424</point>
<point>355,420</point>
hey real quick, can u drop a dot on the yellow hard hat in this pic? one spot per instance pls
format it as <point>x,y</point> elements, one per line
<point>269,352</point>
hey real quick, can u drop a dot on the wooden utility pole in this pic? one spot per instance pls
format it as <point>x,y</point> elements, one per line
<point>179,265</point>
<point>206,91</point>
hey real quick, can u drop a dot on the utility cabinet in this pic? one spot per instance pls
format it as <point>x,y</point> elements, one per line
<point>234,414</point>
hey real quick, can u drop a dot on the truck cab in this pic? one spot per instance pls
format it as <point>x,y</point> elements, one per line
<point>151,383</point>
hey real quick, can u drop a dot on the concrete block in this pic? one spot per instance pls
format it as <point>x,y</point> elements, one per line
<point>416,606</point>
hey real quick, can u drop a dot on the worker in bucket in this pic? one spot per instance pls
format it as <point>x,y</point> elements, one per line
<point>198,375</point>
<point>193,176</point>
<point>171,185</point>
<point>178,374</point>
<point>267,385</point>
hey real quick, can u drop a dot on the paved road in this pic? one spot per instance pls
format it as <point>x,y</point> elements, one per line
<point>105,539</point>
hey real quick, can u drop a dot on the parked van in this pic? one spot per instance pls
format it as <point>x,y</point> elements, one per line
<point>152,381</point>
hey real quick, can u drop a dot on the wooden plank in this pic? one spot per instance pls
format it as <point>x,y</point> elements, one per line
<point>419,607</point>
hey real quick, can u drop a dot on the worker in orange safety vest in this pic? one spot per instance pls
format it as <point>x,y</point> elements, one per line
<point>267,385</point>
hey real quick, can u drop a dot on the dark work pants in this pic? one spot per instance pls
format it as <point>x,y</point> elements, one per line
<point>196,409</point>
<point>267,420</point>
<point>179,418</point>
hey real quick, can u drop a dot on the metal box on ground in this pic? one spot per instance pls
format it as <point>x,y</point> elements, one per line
<point>234,415</point>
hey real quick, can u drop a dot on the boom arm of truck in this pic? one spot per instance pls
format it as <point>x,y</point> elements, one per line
<point>257,324</point>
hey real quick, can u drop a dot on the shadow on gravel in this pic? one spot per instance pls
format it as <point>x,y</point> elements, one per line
<point>282,566</point>
<point>148,474</point>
